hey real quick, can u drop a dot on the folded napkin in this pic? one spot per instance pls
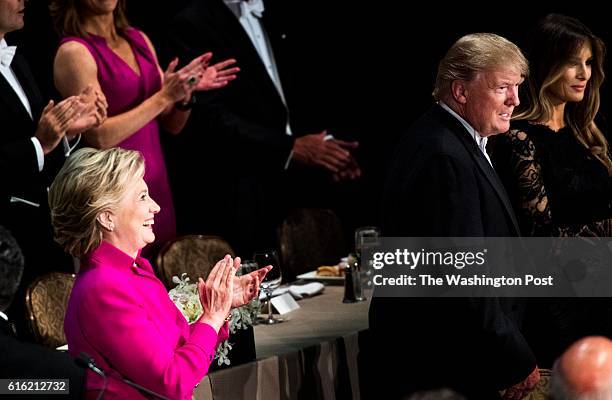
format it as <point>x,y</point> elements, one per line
<point>298,291</point>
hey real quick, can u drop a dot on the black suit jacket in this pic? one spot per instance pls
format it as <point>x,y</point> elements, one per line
<point>26,360</point>
<point>31,226</point>
<point>250,109</point>
<point>236,136</point>
<point>441,185</point>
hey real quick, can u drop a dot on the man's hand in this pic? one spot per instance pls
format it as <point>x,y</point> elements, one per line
<point>55,120</point>
<point>333,155</point>
<point>351,172</point>
<point>522,389</point>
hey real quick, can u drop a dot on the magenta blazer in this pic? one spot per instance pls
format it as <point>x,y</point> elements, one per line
<point>120,314</point>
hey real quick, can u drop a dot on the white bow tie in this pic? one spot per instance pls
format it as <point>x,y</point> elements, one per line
<point>256,7</point>
<point>6,55</point>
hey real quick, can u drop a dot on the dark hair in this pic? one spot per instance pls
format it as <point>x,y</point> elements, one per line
<point>68,17</point>
<point>553,42</point>
<point>11,267</point>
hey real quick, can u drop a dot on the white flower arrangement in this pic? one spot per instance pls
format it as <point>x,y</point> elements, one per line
<point>186,298</point>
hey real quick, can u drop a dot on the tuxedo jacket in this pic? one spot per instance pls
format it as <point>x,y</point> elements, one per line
<point>249,110</point>
<point>21,180</point>
<point>26,360</point>
<point>235,139</point>
<point>441,185</point>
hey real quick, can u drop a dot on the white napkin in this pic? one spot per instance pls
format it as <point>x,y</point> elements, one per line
<point>298,291</point>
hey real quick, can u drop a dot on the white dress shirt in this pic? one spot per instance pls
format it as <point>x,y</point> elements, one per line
<point>249,14</point>
<point>481,142</point>
<point>9,75</point>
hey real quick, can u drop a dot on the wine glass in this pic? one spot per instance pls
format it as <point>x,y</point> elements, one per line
<point>270,282</point>
<point>366,237</point>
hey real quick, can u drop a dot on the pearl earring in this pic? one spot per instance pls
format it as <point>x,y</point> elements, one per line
<point>111,227</point>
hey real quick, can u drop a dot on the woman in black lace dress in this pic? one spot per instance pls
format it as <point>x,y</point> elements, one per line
<point>556,167</point>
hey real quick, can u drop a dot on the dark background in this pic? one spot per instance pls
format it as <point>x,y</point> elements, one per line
<point>367,70</point>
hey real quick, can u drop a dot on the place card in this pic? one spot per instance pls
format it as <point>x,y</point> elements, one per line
<point>284,303</point>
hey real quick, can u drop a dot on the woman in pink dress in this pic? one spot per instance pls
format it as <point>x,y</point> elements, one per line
<point>118,311</point>
<point>100,48</point>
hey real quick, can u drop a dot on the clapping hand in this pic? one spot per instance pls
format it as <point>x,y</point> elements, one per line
<point>218,75</point>
<point>176,86</point>
<point>334,155</point>
<point>216,293</point>
<point>55,121</point>
<point>246,287</point>
<point>93,114</point>
<point>201,76</point>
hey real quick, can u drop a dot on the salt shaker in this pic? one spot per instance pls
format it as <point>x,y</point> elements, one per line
<point>349,283</point>
<point>357,276</point>
<point>352,282</point>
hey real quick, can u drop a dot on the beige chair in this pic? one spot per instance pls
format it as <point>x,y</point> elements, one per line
<point>309,238</point>
<point>194,255</point>
<point>46,303</point>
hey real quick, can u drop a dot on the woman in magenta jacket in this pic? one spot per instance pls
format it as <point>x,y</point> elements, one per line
<point>119,312</point>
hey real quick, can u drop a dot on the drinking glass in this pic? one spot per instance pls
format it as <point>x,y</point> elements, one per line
<point>270,282</point>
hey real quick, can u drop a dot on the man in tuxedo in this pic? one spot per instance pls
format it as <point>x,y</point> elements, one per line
<point>246,139</point>
<point>22,360</point>
<point>33,146</point>
<point>441,184</point>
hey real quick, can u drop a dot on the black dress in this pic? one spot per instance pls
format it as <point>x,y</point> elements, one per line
<point>557,188</point>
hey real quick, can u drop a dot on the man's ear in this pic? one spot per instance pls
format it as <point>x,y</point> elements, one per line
<point>459,91</point>
<point>105,219</point>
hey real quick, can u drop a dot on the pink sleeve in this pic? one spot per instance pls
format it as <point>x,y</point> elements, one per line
<point>118,326</point>
<point>221,336</point>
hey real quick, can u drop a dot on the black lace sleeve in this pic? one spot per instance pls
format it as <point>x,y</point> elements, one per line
<point>534,207</point>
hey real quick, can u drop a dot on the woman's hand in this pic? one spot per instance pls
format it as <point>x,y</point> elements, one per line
<point>218,75</point>
<point>175,87</point>
<point>246,287</point>
<point>216,293</point>
<point>196,76</point>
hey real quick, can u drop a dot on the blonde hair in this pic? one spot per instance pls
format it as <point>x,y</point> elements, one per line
<point>474,53</point>
<point>68,15</point>
<point>90,182</point>
<point>555,40</point>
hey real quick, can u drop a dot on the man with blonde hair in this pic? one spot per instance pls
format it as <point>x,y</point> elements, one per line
<point>441,184</point>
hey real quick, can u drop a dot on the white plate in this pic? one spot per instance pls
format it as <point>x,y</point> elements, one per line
<point>312,276</point>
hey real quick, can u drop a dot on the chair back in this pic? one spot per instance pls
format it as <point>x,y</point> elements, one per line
<point>309,238</point>
<point>194,255</point>
<point>46,303</point>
